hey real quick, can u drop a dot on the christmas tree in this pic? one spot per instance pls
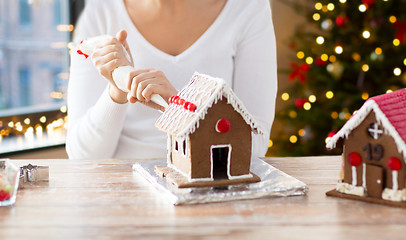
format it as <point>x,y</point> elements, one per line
<point>346,52</point>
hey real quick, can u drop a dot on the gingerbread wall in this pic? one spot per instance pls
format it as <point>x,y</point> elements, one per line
<point>239,136</point>
<point>361,142</point>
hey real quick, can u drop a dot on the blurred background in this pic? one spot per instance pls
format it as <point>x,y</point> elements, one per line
<point>332,56</point>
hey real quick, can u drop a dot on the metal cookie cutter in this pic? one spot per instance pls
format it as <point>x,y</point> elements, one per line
<point>32,174</point>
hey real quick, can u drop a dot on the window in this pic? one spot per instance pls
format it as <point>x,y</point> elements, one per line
<point>34,65</point>
<point>24,13</point>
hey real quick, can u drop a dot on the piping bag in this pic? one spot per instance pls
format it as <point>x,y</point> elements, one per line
<point>120,74</point>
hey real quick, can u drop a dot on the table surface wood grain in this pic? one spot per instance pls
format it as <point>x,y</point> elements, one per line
<point>104,199</point>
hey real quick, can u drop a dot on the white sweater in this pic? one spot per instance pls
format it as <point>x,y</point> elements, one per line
<point>238,47</point>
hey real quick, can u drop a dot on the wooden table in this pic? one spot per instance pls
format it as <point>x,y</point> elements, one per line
<point>105,200</point>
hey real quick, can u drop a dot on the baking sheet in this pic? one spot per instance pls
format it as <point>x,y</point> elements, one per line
<point>274,183</point>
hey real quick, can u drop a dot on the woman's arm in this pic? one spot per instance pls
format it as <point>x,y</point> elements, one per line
<point>255,74</point>
<point>95,121</point>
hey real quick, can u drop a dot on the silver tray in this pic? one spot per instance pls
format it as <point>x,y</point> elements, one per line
<point>274,183</point>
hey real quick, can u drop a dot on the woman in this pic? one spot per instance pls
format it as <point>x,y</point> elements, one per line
<point>233,40</point>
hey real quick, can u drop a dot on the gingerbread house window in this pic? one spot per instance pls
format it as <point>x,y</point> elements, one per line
<point>184,147</point>
<point>375,131</point>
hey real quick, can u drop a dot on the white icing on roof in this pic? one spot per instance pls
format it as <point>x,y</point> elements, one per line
<point>359,117</point>
<point>203,91</point>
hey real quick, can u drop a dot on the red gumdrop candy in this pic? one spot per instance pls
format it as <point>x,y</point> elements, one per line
<point>171,99</point>
<point>176,99</point>
<point>354,159</point>
<point>181,101</point>
<point>186,105</point>
<point>191,107</point>
<point>223,125</point>
<point>4,195</point>
<point>394,164</point>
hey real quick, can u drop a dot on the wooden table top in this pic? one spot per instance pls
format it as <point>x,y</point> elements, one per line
<point>104,200</point>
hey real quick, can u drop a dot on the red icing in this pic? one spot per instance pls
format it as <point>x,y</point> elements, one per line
<point>191,107</point>
<point>81,53</point>
<point>223,125</point>
<point>181,101</point>
<point>354,159</point>
<point>394,164</point>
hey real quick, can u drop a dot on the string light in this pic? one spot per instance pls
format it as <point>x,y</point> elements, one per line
<point>330,7</point>
<point>365,68</point>
<point>300,55</point>
<point>292,114</point>
<point>366,34</point>
<point>307,106</point>
<point>320,40</point>
<point>343,1</point>
<point>293,139</point>
<point>316,17</point>
<point>324,57</point>
<point>27,121</point>
<point>378,50</point>
<point>338,49</point>
<point>389,91</point>
<point>309,60</point>
<point>329,94</point>
<point>312,98</point>
<point>43,119</point>
<point>404,61</point>
<point>285,96</point>
<point>397,71</point>
<point>365,96</point>
<point>356,57</point>
<point>302,132</point>
<point>318,6</point>
<point>362,8</point>
<point>392,19</point>
<point>334,115</point>
<point>396,42</point>
<point>270,143</point>
<point>63,109</point>
<point>332,58</point>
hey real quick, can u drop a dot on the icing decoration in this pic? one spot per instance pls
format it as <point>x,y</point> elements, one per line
<point>394,164</point>
<point>182,102</point>
<point>223,125</point>
<point>386,108</point>
<point>354,159</point>
<point>375,131</point>
<point>203,91</point>
<point>82,53</point>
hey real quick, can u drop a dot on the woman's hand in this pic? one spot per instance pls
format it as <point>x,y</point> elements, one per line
<point>109,55</point>
<point>145,82</point>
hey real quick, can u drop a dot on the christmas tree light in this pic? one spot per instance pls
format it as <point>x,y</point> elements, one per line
<point>346,52</point>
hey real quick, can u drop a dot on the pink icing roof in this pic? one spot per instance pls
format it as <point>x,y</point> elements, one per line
<point>390,111</point>
<point>393,105</point>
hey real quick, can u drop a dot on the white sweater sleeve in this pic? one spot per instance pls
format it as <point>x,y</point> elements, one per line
<point>95,121</point>
<point>255,75</point>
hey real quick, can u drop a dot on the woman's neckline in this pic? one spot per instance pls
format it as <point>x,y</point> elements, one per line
<point>186,52</point>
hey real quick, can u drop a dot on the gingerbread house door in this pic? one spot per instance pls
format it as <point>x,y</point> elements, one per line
<point>220,161</point>
<point>374,180</point>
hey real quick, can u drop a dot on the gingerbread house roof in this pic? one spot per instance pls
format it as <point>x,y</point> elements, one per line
<point>202,92</point>
<point>390,112</point>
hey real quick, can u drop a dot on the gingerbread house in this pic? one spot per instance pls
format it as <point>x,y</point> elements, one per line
<point>374,151</point>
<point>209,135</point>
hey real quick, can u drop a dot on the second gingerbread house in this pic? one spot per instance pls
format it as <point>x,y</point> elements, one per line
<point>374,153</point>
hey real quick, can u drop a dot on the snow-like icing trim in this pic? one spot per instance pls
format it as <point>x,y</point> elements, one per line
<point>359,117</point>
<point>211,91</point>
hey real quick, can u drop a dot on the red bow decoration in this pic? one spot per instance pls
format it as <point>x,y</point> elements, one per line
<point>400,30</point>
<point>298,72</point>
